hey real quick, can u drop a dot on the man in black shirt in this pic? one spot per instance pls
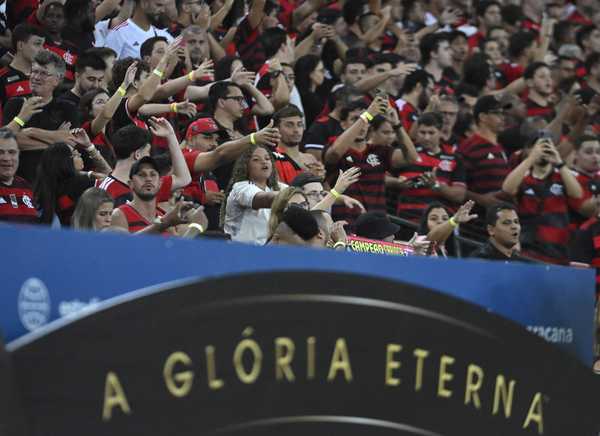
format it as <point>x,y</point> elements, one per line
<point>41,119</point>
<point>89,74</point>
<point>504,228</point>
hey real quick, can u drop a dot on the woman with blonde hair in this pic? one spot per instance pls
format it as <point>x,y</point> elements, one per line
<point>93,210</point>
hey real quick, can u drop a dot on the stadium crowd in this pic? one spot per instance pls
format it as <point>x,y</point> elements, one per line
<point>473,124</point>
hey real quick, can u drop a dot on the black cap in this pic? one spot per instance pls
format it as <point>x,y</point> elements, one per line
<point>303,178</point>
<point>301,222</point>
<point>375,225</point>
<point>147,160</point>
<point>488,103</point>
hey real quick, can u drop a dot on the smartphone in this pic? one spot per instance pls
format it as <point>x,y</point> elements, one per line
<point>544,134</point>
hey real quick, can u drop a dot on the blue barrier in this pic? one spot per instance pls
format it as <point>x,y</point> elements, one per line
<point>52,274</point>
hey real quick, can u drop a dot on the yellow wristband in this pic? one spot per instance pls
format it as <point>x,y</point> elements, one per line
<point>174,107</point>
<point>191,76</point>
<point>121,91</point>
<point>253,138</point>
<point>453,222</point>
<point>197,227</point>
<point>335,194</point>
<point>158,73</point>
<point>339,244</point>
<point>368,115</point>
<point>19,121</point>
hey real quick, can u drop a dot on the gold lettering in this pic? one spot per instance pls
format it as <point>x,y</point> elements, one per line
<point>340,360</point>
<point>504,394</point>
<point>214,382</point>
<point>421,355</point>
<point>114,396</point>
<point>473,386</point>
<point>535,413</point>
<point>284,354</point>
<point>257,356</point>
<point>391,364</point>
<point>185,378</point>
<point>445,376</point>
<point>310,357</point>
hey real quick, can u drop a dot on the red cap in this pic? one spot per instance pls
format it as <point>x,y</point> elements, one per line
<point>202,125</point>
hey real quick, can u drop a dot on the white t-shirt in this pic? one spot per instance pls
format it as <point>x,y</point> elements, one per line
<point>243,223</point>
<point>101,31</point>
<point>127,38</point>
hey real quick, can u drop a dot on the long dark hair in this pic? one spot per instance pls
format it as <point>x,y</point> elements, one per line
<point>303,68</point>
<point>423,229</point>
<point>223,67</point>
<point>85,104</point>
<point>55,167</point>
<point>240,173</point>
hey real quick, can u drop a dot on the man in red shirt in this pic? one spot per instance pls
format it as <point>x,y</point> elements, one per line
<point>485,160</point>
<point>416,93</point>
<point>540,86</point>
<point>132,143</point>
<point>16,197</point>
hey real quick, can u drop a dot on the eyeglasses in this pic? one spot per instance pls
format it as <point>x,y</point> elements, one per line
<point>316,194</point>
<point>41,73</point>
<point>239,98</point>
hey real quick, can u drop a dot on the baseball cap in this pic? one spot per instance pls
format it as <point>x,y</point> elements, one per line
<point>488,103</point>
<point>202,125</point>
<point>304,178</point>
<point>137,166</point>
<point>375,225</point>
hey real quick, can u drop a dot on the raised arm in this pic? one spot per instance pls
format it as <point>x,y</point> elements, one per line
<point>181,174</point>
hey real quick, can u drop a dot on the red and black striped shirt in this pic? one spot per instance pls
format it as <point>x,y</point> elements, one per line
<point>322,133</point>
<point>13,83</point>
<point>248,46</point>
<point>486,164</point>
<point>449,171</point>
<point>590,184</point>
<point>121,192</point>
<point>287,168</point>
<point>135,220</point>
<point>16,202</point>
<point>544,213</point>
<point>408,113</point>
<point>536,110</point>
<point>374,161</point>
<point>587,247</point>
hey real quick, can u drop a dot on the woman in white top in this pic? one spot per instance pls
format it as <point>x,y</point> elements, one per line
<point>254,184</point>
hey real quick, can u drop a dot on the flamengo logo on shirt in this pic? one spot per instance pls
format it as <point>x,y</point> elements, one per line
<point>373,160</point>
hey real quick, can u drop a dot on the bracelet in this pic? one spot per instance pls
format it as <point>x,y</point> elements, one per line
<point>366,116</point>
<point>158,73</point>
<point>190,76</point>
<point>559,166</point>
<point>453,222</point>
<point>19,121</point>
<point>335,194</point>
<point>253,138</point>
<point>339,244</point>
<point>174,107</point>
<point>196,226</point>
<point>122,91</point>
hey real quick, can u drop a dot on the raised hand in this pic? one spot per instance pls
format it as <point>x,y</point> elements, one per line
<point>129,75</point>
<point>160,127</point>
<point>203,17</point>
<point>378,106</point>
<point>242,77</point>
<point>186,108</point>
<point>31,106</point>
<point>346,178</point>
<point>269,136</point>
<point>206,68</point>
<point>463,214</point>
<point>81,138</point>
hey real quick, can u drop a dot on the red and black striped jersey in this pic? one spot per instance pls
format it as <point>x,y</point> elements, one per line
<point>13,83</point>
<point>248,46</point>
<point>511,71</point>
<point>374,161</point>
<point>322,133</point>
<point>16,202</point>
<point>587,247</point>
<point>68,53</point>
<point>449,171</point>
<point>135,220</point>
<point>121,193</point>
<point>287,168</point>
<point>544,213</point>
<point>486,164</point>
<point>536,110</point>
<point>590,184</point>
<point>407,112</point>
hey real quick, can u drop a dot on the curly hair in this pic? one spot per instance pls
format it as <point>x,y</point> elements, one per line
<point>240,173</point>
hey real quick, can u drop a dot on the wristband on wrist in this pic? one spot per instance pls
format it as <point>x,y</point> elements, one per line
<point>559,166</point>
<point>453,222</point>
<point>19,121</point>
<point>253,138</point>
<point>367,116</point>
<point>335,194</point>
<point>121,91</point>
<point>158,73</point>
<point>339,244</point>
<point>196,226</point>
<point>91,149</point>
<point>191,76</point>
<point>174,107</point>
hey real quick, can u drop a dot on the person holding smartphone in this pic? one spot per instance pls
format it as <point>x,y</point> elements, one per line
<point>542,186</point>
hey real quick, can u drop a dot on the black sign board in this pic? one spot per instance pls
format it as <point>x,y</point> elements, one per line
<point>300,353</point>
